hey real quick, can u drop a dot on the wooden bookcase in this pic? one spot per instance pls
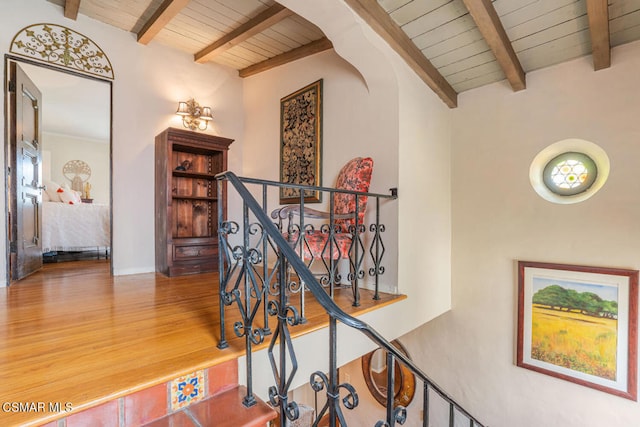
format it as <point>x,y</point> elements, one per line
<point>186,201</point>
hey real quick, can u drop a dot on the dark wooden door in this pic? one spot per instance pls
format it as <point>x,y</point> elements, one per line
<point>26,180</point>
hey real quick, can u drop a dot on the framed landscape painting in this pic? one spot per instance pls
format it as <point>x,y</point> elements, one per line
<point>579,324</point>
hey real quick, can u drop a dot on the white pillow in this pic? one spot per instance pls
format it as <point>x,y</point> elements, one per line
<point>45,196</point>
<point>52,191</point>
<point>76,195</point>
<point>69,196</point>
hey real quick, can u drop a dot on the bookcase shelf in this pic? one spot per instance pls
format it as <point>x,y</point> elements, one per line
<point>184,174</point>
<point>211,199</point>
<point>186,164</point>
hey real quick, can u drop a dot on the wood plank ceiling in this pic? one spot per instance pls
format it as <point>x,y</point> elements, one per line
<point>452,45</point>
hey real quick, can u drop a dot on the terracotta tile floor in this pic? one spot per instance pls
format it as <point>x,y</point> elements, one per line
<point>222,410</point>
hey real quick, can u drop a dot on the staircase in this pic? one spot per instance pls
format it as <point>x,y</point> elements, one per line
<point>262,273</point>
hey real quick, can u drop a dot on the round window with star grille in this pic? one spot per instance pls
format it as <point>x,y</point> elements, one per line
<point>569,171</point>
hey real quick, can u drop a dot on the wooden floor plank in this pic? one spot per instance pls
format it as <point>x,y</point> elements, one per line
<point>73,333</point>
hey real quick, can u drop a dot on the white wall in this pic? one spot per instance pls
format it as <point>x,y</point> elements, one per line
<point>425,199</point>
<point>149,81</point>
<point>498,219</point>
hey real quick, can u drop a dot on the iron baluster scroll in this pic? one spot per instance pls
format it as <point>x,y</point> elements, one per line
<point>245,284</point>
<point>287,316</point>
<point>245,289</point>
<point>320,381</point>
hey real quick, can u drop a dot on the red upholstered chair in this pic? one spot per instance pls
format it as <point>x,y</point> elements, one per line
<point>354,176</point>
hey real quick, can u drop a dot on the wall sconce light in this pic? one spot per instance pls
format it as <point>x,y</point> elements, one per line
<point>193,115</point>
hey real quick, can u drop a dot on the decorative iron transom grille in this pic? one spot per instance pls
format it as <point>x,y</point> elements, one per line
<point>62,47</point>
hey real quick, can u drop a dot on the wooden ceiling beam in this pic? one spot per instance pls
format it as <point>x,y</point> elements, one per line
<point>598,12</point>
<point>292,55</point>
<point>491,28</point>
<point>71,8</point>
<point>165,13</point>
<point>255,25</point>
<point>378,19</point>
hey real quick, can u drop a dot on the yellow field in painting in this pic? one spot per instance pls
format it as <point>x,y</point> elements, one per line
<point>575,341</point>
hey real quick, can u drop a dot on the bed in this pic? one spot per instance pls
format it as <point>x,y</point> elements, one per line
<point>74,228</point>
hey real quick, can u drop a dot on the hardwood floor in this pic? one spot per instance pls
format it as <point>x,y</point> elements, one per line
<point>73,333</point>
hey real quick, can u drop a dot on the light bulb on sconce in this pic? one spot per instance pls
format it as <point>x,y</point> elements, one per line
<point>193,115</point>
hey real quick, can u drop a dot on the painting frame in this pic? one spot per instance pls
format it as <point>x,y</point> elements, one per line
<point>570,299</point>
<point>301,143</point>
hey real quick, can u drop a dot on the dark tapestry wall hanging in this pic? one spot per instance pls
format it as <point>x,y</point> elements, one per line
<point>301,143</point>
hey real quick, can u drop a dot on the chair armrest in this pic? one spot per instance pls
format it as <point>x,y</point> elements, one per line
<point>290,210</point>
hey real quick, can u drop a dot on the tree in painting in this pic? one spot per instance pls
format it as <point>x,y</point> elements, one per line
<point>588,303</point>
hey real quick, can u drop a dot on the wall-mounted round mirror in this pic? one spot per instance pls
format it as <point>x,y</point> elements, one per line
<point>374,370</point>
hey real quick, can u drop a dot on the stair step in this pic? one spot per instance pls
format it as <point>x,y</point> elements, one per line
<point>221,410</point>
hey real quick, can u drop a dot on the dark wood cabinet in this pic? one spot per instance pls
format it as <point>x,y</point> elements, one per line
<point>186,200</point>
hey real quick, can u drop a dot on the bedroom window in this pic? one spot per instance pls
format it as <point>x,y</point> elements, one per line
<point>569,171</point>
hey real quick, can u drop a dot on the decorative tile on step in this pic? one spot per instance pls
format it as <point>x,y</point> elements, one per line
<point>187,389</point>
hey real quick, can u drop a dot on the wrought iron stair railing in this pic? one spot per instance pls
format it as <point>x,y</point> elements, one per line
<point>250,282</point>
